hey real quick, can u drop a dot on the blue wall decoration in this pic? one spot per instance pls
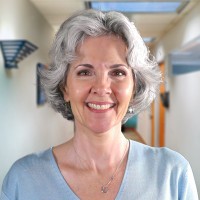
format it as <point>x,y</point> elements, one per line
<point>41,98</point>
<point>186,59</point>
<point>184,68</point>
<point>15,50</point>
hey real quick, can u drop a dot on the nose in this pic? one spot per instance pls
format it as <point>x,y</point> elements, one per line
<point>101,86</point>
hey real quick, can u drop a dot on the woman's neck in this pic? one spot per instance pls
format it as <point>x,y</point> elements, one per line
<point>99,151</point>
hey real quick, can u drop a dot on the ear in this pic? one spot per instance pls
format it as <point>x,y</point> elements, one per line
<point>65,92</point>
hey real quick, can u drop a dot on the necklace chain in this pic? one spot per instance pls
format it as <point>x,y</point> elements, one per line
<point>105,187</point>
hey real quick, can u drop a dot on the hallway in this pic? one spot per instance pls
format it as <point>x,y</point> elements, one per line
<point>28,124</point>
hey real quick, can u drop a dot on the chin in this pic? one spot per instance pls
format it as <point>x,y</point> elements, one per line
<point>102,128</point>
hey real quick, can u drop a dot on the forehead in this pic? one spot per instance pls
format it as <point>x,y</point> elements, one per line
<point>102,45</point>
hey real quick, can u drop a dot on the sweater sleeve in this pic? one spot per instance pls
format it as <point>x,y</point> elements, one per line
<point>187,186</point>
<point>9,187</point>
<point>3,196</point>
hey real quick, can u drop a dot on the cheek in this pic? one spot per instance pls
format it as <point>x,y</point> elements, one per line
<point>124,95</point>
<point>127,92</point>
<point>124,92</point>
<point>77,91</point>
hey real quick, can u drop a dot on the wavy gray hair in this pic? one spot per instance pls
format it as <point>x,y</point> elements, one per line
<point>93,23</point>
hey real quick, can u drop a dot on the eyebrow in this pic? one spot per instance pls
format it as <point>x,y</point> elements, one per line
<point>112,66</point>
<point>118,65</point>
<point>85,65</point>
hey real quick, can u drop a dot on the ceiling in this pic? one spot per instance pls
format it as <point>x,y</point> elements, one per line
<point>149,25</point>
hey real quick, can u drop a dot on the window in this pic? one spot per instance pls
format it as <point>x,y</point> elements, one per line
<point>140,7</point>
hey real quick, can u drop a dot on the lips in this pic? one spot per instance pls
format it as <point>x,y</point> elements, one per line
<point>100,106</point>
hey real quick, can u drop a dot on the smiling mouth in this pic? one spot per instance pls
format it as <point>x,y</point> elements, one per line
<point>100,107</point>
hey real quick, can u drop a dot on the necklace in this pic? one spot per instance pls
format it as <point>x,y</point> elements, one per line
<point>105,187</point>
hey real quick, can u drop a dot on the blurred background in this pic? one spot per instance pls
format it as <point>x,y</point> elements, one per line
<point>171,30</point>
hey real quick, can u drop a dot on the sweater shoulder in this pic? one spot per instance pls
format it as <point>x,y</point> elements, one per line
<point>28,165</point>
<point>32,160</point>
<point>158,154</point>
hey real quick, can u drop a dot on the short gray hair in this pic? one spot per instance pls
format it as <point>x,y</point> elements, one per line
<point>93,23</point>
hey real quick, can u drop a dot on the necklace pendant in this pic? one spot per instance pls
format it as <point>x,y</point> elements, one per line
<point>104,189</point>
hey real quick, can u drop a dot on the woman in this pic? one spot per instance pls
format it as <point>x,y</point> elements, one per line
<point>100,76</point>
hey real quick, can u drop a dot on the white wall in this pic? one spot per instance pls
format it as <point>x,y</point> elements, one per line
<point>25,127</point>
<point>182,131</point>
<point>144,126</point>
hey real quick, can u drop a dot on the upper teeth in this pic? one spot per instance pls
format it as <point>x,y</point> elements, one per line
<point>99,107</point>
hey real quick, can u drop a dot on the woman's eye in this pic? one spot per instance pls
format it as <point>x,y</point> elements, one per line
<point>84,73</point>
<point>119,73</point>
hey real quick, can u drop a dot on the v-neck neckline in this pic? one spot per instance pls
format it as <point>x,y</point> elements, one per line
<point>63,183</point>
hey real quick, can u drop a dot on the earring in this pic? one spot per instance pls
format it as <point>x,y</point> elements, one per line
<point>130,110</point>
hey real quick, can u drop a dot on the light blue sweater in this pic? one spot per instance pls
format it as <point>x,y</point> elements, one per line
<point>151,174</point>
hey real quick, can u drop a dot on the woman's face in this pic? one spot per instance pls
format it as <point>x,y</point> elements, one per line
<point>99,84</point>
